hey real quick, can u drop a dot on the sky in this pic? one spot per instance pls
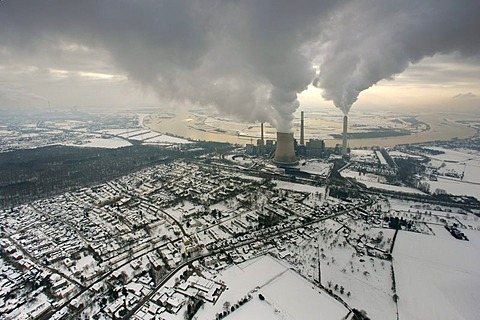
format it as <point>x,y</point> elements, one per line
<point>253,60</point>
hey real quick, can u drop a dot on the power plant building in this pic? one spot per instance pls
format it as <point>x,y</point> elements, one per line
<point>315,148</point>
<point>285,150</point>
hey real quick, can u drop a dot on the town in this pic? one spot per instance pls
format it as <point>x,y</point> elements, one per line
<point>167,241</point>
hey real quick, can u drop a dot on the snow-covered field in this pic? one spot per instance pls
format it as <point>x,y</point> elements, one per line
<point>147,136</point>
<point>376,181</point>
<point>158,139</point>
<point>112,143</point>
<point>298,187</point>
<point>281,288</point>
<point>317,167</point>
<point>458,172</point>
<point>455,187</point>
<point>144,136</point>
<point>343,270</point>
<point>129,134</point>
<point>367,156</point>
<point>437,276</point>
<point>466,162</point>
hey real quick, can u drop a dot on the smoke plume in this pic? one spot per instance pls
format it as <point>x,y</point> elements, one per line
<point>243,57</point>
<point>368,41</point>
<point>248,58</point>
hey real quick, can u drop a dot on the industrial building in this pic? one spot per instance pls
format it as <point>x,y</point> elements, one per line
<point>286,149</point>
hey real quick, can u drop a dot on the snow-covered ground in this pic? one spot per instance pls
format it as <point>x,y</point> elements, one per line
<point>454,186</point>
<point>281,288</point>
<point>129,134</point>
<point>343,271</point>
<point>159,139</point>
<point>147,136</point>
<point>376,181</point>
<point>298,187</point>
<point>454,155</point>
<point>367,156</point>
<point>437,276</point>
<point>112,143</point>
<point>144,136</point>
<point>464,162</point>
<point>240,159</point>
<point>457,172</point>
<point>317,167</point>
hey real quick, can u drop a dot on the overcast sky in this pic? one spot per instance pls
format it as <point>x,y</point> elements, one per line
<point>255,60</point>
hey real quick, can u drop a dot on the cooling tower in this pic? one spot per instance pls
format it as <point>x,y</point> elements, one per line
<point>302,130</point>
<point>284,151</point>
<point>344,135</point>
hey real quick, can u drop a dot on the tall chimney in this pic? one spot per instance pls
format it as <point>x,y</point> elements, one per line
<point>261,134</point>
<point>344,135</point>
<point>262,141</point>
<point>302,130</point>
<point>284,151</point>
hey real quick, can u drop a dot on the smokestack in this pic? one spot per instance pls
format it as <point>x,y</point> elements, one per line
<point>261,136</point>
<point>284,151</point>
<point>261,141</point>
<point>302,130</point>
<point>344,142</point>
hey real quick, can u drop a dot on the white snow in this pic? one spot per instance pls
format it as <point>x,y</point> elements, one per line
<point>118,131</point>
<point>284,292</point>
<point>144,136</point>
<point>298,187</point>
<point>133,132</point>
<point>466,162</point>
<point>363,156</point>
<point>341,266</point>
<point>166,139</point>
<point>281,288</point>
<point>381,158</point>
<point>437,276</point>
<point>317,167</point>
<point>452,155</point>
<point>112,143</point>
<point>455,187</point>
<point>255,309</point>
<point>375,181</point>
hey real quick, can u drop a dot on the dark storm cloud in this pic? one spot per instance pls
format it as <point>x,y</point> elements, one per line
<point>247,58</point>
<point>371,40</point>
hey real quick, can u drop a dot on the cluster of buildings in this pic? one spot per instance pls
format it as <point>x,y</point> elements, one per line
<point>148,245</point>
<point>286,149</point>
<point>153,220</point>
<point>57,128</point>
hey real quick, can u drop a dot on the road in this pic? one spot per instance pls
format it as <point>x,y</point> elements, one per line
<point>270,234</point>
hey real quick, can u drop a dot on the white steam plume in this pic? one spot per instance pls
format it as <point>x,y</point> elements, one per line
<point>243,57</point>
<point>247,58</point>
<point>371,40</point>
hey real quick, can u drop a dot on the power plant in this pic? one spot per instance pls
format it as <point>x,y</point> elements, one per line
<point>285,151</point>
<point>344,135</point>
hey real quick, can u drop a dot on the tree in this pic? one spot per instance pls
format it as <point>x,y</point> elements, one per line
<point>226,305</point>
<point>395,297</point>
